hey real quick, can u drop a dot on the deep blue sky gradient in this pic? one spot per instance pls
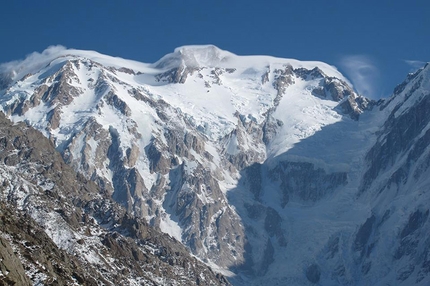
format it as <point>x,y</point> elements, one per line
<point>383,33</point>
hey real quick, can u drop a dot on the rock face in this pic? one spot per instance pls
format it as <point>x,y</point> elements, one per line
<point>273,169</point>
<point>57,228</point>
<point>29,256</point>
<point>11,266</point>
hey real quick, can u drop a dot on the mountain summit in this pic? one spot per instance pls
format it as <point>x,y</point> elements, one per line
<point>195,57</point>
<point>267,169</point>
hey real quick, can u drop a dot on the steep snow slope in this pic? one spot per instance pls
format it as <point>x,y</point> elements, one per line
<point>260,165</point>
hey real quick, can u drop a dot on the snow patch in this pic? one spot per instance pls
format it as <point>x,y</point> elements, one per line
<point>167,225</point>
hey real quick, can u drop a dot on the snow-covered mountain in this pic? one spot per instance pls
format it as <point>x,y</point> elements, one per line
<point>267,169</point>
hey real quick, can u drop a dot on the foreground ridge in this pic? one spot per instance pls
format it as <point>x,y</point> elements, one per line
<point>57,228</point>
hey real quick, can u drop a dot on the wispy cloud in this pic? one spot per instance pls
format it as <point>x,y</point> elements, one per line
<point>363,74</point>
<point>414,64</point>
<point>32,62</point>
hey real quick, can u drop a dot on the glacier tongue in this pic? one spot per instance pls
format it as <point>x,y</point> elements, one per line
<point>273,168</point>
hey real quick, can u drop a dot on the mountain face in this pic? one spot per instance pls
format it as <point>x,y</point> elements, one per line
<point>269,170</point>
<point>57,228</point>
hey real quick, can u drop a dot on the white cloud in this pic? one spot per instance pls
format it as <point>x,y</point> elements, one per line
<point>32,62</point>
<point>363,74</point>
<point>414,64</point>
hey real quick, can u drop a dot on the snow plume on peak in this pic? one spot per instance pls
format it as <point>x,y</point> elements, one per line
<point>363,74</point>
<point>194,57</point>
<point>415,64</point>
<point>32,63</point>
<point>13,71</point>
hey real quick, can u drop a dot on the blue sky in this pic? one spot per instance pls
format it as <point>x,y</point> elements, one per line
<point>374,43</point>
